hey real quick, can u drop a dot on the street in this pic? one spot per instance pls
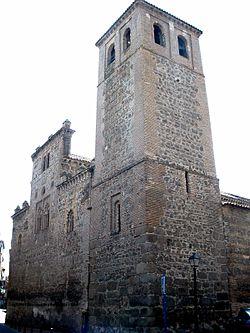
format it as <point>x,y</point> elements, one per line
<point>3,327</point>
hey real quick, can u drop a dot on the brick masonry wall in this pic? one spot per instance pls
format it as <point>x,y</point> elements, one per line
<point>120,295</point>
<point>186,222</point>
<point>184,128</point>
<point>49,271</point>
<point>152,116</point>
<point>162,225</point>
<point>236,222</point>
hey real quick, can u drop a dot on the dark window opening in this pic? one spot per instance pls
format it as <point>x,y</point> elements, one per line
<point>45,162</point>
<point>46,217</point>
<point>48,156</point>
<point>111,54</point>
<point>70,221</point>
<point>126,39</point>
<point>182,45</point>
<point>42,215</point>
<point>115,214</point>
<point>187,182</point>
<point>158,35</point>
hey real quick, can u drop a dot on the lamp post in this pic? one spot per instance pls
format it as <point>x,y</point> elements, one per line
<point>194,262</point>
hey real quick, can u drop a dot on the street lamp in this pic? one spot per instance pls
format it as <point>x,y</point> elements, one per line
<point>194,262</point>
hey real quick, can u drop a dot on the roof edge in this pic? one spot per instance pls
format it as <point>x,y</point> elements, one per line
<point>234,200</point>
<point>19,212</point>
<point>65,127</point>
<point>150,6</point>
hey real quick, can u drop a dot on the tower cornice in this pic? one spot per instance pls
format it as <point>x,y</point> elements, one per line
<point>151,7</point>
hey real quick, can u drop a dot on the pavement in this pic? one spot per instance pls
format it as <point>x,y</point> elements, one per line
<point>3,327</point>
<point>6,329</point>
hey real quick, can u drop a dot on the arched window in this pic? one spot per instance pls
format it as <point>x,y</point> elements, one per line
<point>46,217</point>
<point>111,54</point>
<point>115,214</point>
<point>70,221</point>
<point>39,220</point>
<point>45,162</point>
<point>182,45</point>
<point>126,39</point>
<point>159,37</point>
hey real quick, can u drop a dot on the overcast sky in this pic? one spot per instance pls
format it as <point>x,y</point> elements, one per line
<point>48,73</point>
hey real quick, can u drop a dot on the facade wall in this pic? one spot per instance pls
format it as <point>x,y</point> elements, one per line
<point>236,223</point>
<point>49,266</point>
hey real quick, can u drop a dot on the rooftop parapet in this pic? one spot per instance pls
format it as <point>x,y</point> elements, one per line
<point>19,210</point>
<point>65,129</point>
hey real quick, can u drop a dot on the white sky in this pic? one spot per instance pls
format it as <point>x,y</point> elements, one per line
<point>48,72</point>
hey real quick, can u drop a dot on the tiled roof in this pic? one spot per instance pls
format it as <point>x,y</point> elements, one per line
<point>152,7</point>
<point>234,200</point>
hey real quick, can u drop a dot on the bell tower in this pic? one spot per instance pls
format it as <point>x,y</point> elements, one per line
<point>155,196</point>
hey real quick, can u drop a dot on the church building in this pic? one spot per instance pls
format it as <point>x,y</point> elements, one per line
<point>92,246</point>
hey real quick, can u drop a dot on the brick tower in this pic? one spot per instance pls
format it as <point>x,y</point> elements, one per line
<point>155,195</point>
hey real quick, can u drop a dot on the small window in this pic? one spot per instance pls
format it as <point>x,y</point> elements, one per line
<point>159,37</point>
<point>111,54</point>
<point>115,214</point>
<point>70,221</point>
<point>182,45</point>
<point>46,217</point>
<point>19,243</point>
<point>126,39</point>
<point>187,182</point>
<point>48,157</point>
<point>44,163</point>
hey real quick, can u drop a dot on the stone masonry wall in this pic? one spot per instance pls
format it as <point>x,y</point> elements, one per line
<point>236,223</point>
<point>118,119</point>
<point>184,222</point>
<point>121,296</point>
<point>153,120</point>
<point>49,271</point>
<point>184,127</point>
